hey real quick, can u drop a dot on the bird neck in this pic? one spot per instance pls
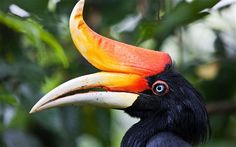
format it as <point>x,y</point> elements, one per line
<point>140,133</point>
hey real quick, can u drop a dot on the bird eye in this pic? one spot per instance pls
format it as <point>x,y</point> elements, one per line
<point>160,88</point>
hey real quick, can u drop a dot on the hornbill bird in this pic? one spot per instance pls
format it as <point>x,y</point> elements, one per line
<point>139,81</point>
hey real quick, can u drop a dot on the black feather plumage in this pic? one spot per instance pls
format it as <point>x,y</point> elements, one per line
<point>180,112</point>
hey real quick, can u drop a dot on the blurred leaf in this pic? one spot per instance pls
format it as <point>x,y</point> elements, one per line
<point>35,33</point>
<point>52,5</point>
<point>8,98</point>
<point>150,44</point>
<point>1,128</point>
<point>183,14</point>
<point>88,141</point>
<point>20,119</point>
<point>52,82</point>
<point>208,71</point>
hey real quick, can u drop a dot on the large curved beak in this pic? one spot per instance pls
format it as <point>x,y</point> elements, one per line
<point>69,93</point>
<point>125,68</point>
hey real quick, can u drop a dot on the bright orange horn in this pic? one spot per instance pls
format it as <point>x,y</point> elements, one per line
<point>113,56</point>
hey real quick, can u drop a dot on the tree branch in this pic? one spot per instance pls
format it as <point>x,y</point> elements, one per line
<point>221,107</point>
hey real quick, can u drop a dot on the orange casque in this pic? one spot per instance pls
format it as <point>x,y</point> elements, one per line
<point>110,55</point>
<point>113,56</point>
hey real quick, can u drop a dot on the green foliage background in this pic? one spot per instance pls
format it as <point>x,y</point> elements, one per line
<point>37,54</point>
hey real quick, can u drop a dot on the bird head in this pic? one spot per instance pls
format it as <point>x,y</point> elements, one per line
<point>140,81</point>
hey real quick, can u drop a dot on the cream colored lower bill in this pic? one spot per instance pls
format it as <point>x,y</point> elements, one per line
<point>117,100</point>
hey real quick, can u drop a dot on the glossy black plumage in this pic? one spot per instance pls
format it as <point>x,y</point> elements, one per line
<point>180,114</point>
<point>167,139</point>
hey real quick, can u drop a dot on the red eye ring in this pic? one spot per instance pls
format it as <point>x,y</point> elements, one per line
<point>160,88</point>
